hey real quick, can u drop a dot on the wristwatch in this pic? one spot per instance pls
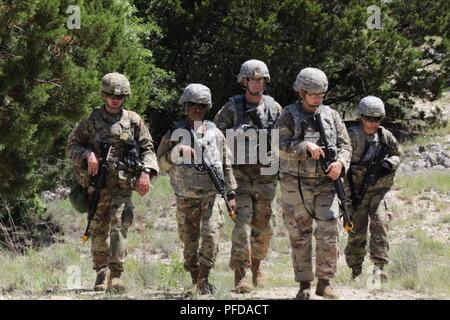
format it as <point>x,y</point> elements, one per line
<point>147,171</point>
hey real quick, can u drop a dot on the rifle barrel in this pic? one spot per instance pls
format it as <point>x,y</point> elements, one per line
<point>214,176</point>
<point>338,185</point>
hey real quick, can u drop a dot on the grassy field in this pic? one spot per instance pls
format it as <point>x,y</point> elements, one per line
<point>154,267</point>
<point>435,135</point>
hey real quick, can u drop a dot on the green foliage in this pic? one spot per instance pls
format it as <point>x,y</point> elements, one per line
<point>207,40</point>
<point>420,264</point>
<point>49,75</point>
<point>25,223</point>
<point>433,135</point>
<point>50,78</point>
<point>414,185</point>
<point>405,261</point>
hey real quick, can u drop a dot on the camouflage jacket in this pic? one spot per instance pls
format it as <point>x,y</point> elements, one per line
<point>185,179</point>
<point>117,130</point>
<point>295,132</point>
<point>364,148</point>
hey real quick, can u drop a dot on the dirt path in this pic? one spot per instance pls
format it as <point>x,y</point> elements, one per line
<point>273,293</point>
<point>345,293</point>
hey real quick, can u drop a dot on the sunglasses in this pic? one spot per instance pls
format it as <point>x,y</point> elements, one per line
<point>316,94</point>
<point>197,105</point>
<point>116,97</point>
<point>373,119</point>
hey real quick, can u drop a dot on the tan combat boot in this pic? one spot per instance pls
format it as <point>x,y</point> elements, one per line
<point>305,291</point>
<point>325,290</point>
<point>203,285</point>
<point>258,278</point>
<point>100,281</point>
<point>241,284</point>
<point>115,284</point>
<point>379,272</point>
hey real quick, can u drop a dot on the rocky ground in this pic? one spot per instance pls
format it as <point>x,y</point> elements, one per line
<point>434,156</point>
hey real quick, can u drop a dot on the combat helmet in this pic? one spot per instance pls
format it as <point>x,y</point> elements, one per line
<point>371,106</point>
<point>311,79</point>
<point>197,93</point>
<point>254,69</point>
<point>116,84</point>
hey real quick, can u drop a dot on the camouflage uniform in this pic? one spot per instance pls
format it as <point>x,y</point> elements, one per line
<point>115,210</point>
<point>306,192</point>
<point>252,231</point>
<point>319,196</point>
<point>199,207</point>
<point>199,212</point>
<point>373,206</point>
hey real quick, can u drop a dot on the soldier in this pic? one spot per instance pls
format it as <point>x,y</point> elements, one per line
<point>308,193</point>
<point>132,164</point>
<point>198,211</point>
<point>252,231</point>
<point>368,138</point>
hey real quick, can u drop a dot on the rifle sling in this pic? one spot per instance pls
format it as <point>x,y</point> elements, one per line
<point>312,215</point>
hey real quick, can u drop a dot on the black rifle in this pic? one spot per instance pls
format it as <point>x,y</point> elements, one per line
<point>372,173</point>
<point>98,182</point>
<point>252,114</point>
<point>131,158</point>
<point>330,157</point>
<point>214,175</point>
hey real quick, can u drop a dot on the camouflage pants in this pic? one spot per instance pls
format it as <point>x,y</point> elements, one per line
<point>321,200</point>
<point>199,218</point>
<point>373,206</point>
<point>252,231</point>
<point>109,229</point>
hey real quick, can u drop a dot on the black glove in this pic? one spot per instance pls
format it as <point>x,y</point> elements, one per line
<point>385,169</point>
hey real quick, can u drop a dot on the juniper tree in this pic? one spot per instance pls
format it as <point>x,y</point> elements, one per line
<point>50,72</point>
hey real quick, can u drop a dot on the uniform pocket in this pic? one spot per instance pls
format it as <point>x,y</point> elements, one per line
<point>127,216</point>
<point>311,166</point>
<point>81,176</point>
<point>289,190</point>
